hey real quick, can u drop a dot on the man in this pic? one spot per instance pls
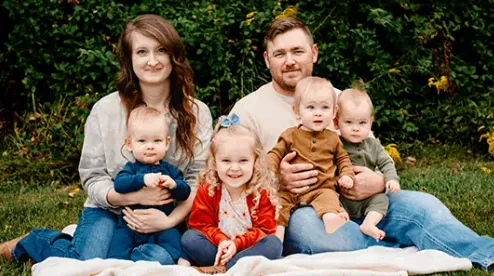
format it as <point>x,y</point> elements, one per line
<point>414,218</point>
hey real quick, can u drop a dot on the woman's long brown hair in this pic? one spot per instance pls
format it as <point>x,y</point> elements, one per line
<point>182,92</point>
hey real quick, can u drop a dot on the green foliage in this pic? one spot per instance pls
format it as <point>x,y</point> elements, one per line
<point>63,49</point>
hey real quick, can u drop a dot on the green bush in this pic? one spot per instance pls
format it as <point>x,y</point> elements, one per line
<point>63,49</point>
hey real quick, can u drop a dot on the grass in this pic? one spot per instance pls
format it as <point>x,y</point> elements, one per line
<point>450,173</point>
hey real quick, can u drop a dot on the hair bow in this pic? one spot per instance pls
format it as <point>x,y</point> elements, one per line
<point>226,121</point>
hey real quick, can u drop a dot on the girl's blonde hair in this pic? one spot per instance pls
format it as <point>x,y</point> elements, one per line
<point>262,177</point>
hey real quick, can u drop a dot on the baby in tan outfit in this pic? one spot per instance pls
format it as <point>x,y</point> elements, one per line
<point>315,106</point>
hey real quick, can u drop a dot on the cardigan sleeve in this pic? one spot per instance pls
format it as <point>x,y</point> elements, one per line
<point>263,224</point>
<point>204,215</point>
<point>128,180</point>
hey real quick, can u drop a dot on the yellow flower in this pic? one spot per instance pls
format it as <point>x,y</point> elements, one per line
<point>441,85</point>
<point>290,11</point>
<point>480,128</point>
<point>490,141</point>
<point>486,170</point>
<point>393,152</point>
<point>394,70</point>
<point>250,17</point>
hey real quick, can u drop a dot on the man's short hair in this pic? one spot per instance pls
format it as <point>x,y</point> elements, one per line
<point>283,25</point>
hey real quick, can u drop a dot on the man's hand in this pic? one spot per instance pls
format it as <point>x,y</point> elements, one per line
<point>296,177</point>
<point>152,179</point>
<point>392,186</point>
<point>167,182</point>
<point>367,183</point>
<point>345,182</point>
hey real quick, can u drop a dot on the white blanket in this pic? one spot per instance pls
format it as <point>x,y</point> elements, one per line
<point>376,260</point>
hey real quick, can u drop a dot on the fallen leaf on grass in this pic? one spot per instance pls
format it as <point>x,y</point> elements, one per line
<point>73,192</point>
<point>454,170</point>
<point>410,160</point>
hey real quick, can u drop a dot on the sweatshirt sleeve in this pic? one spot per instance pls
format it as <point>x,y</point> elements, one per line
<point>128,180</point>
<point>263,224</point>
<point>342,160</point>
<point>182,190</point>
<point>203,214</point>
<point>385,163</point>
<point>95,179</point>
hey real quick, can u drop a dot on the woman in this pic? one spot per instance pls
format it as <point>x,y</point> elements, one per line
<point>154,72</point>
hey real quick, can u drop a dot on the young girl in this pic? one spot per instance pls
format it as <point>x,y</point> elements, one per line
<point>234,211</point>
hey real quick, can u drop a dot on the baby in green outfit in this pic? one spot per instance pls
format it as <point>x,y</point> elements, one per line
<point>354,120</point>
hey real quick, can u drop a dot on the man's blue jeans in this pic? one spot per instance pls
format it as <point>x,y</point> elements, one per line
<point>414,218</point>
<point>91,239</point>
<point>203,252</point>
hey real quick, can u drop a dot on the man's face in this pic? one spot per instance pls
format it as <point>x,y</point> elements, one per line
<point>290,57</point>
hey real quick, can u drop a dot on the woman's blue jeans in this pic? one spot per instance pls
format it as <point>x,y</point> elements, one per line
<point>91,239</point>
<point>203,252</point>
<point>413,219</point>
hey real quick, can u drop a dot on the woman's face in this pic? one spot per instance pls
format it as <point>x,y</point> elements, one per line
<point>150,62</point>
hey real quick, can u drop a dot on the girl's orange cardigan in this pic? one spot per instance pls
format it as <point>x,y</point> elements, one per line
<point>204,218</point>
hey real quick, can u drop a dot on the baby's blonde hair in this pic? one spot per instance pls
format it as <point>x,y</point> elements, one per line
<point>142,114</point>
<point>310,84</point>
<point>355,96</point>
<point>262,178</point>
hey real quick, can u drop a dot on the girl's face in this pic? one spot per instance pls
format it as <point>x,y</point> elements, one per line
<point>150,62</point>
<point>235,161</point>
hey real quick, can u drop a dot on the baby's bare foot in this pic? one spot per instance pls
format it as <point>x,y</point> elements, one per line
<point>372,231</point>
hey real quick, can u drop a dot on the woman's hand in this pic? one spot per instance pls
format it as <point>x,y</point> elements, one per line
<point>153,196</point>
<point>147,220</point>
<point>367,183</point>
<point>296,177</point>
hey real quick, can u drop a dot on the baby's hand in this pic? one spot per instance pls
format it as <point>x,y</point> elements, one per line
<point>392,186</point>
<point>167,182</point>
<point>346,182</point>
<point>152,179</point>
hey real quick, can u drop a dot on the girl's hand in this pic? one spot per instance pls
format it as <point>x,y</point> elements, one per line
<point>167,182</point>
<point>147,220</point>
<point>153,196</point>
<point>228,253</point>
<point>346,182</point>
<point>221,248</point>
<point>392,186</point>
<point>152,179</point>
